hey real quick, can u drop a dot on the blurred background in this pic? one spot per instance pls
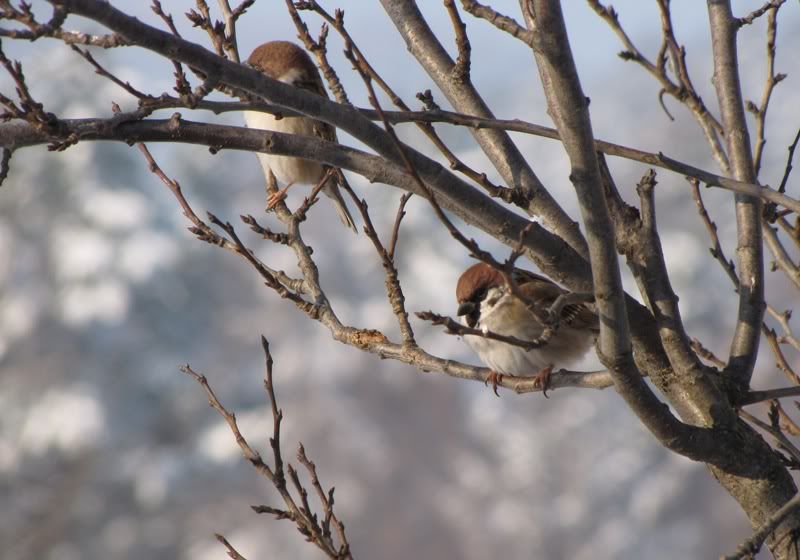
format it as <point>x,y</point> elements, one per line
<point>108,451</point>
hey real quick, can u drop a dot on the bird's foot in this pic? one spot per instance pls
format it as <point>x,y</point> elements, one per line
<point>278,196</point>
<point>494,378</point>
<point>542,379</point>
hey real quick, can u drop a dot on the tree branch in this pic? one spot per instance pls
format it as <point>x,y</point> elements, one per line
<point>652,276</point>
<point>503,23</point>
<point>750,547</point>
<point>568,107</point>
<point>346,118</point>
<point>744,346</point>
<point>305,519</point>
<point>682,88</point>
<point>497,145</point>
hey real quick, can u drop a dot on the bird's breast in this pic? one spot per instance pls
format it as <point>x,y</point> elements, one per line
<point>286,169</point>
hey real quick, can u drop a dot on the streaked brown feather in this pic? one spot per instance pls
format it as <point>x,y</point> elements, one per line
<point>476,278</point>
<point>480,277</point>
<point>277,58</point>
<point>288,62</point>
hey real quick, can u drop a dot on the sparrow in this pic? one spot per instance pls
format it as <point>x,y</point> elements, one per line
<point>290,64</point>
<point>485,302</point>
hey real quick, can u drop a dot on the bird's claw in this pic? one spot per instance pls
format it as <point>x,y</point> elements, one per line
<point>542,379</point>
<point>277,197</point>
<point>494,378</point>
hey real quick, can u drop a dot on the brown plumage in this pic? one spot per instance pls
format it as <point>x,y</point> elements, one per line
<point>288,63</point>
<point>486,302</point>
<point>277,58</point>
<point>480,277</point>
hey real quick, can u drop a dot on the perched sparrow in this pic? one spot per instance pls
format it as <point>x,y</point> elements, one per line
<point>485,302</point>
<point>288,63</point>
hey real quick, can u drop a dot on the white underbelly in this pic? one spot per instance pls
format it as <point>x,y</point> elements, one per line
<point>286,169</point>
<point>566,347</point>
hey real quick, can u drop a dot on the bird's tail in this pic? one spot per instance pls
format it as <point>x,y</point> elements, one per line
<point>332,190</point>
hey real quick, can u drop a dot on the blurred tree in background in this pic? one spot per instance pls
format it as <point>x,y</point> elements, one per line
<point>105,450</point>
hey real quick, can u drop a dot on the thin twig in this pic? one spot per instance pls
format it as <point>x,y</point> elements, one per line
<point>208,234</point>
<point>783,318</point>
<point>28,108</point>
<point>362,65</point>
<point>232,552</point>
<point>98,69</point>
<point>757,13</point>
<point>393,287</point>
<point>750,547</point>
<point>286,286</point>
<point>327,504</point>
<point>782,441</point>
<point>503,23</point>
<point>681,88</point>
<point>230,30</point>
<point>401,212</point>
<point>454,327</point>
<point>462,67</point>
<point>306,521</point>
<point>772,80</point>
<point>319,47</point>
<point>788,169</point>
<point>214,29</point>
<point>730,269</point>
<point>655,159</point>
<point>716,249</point>
<point>753,397</point>
<point>470,244</point>
<point>786,422</point>
<point>182,85</point>
<point>782,362</point>
<point>706,354</point>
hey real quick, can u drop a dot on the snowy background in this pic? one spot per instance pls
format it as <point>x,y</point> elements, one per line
<point>107,451</point>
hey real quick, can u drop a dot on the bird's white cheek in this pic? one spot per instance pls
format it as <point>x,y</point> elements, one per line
<point>292,76</point>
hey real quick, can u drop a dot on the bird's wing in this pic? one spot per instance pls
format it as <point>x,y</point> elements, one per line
<point>545,292</point>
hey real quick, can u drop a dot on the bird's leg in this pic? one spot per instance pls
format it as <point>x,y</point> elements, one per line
<point>494,378</point>
<point>278,196</point>
<point>542,379</point>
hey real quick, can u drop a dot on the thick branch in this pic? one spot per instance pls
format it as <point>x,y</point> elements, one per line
<point>652,275</point>
<point>497,145</point>
<point>452,193</point>
<point>744,346</point>
<point>568,107</point>
<point>346,118</point>
<point>661,160</point>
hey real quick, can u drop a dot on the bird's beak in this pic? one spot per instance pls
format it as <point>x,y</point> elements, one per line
<point>466,308</point>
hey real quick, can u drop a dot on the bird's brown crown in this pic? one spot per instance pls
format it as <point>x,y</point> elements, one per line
<point>476,278</point>
<point>276,58</point>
